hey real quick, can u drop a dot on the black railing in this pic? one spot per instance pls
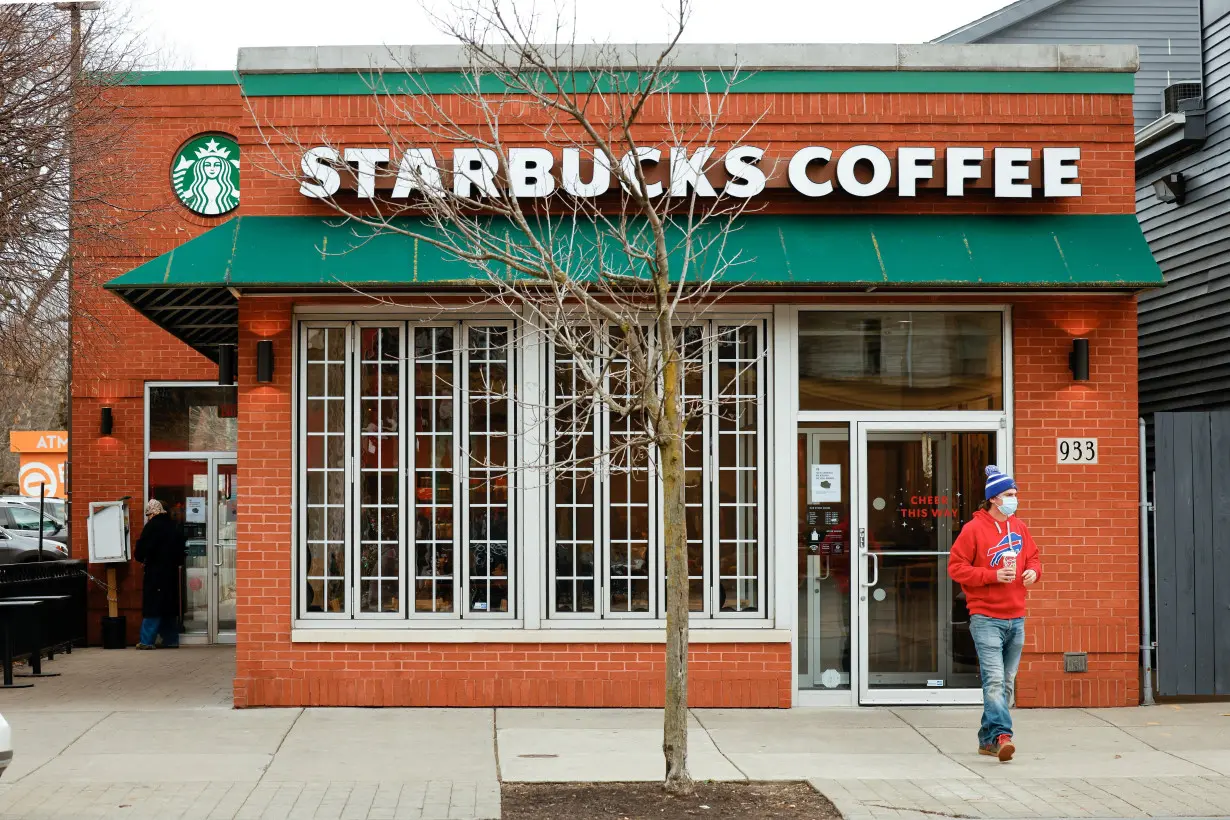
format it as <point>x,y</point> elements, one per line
<point>62,621</point>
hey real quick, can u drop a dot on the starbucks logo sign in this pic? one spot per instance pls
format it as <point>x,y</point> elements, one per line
<point>205,175</point>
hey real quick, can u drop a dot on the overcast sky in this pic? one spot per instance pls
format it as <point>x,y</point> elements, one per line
<point>207,35</point>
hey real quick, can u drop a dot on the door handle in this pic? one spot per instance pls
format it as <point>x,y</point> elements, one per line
<point>875,563</point>
<point>828,570</point>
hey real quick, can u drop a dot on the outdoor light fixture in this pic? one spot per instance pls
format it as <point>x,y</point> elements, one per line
<point>226,364</point>
<point>1078,360</point>
<point>108,421</point>
<point>1170,188</point>
<point>264,361</point>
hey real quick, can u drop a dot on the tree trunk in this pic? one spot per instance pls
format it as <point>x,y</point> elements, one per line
<point>670,450</point>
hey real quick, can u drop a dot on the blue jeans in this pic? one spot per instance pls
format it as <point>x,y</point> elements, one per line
<point>168,628</point>
<point>999,643</point>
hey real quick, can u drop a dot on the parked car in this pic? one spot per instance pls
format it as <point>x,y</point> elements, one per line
<point>20,547</point>
<point>6,745</point>
<point>57,507</point>
<point>21,518</point>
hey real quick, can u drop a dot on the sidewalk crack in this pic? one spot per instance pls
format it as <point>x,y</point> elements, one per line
<point>67,746</point>
<point>1172,755</point>
<point>920,811</point>
<point>281,742</point>
<point>709,735</point>
<point>495,743</point>
<point>933,744</point>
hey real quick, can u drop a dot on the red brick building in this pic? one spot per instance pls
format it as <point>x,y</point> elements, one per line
<point>906,317</point>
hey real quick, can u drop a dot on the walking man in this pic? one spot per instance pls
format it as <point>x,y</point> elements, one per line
<point>987,560</point>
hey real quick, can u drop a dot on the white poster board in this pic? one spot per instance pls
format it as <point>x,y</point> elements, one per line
<point>194,510</point>
<point>108,534</point>
<point>824,486</point>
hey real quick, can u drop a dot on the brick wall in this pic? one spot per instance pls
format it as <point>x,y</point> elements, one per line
<point>1083,517</point>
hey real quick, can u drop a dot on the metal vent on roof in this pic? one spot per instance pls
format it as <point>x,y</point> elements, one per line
<point>1176,93</point>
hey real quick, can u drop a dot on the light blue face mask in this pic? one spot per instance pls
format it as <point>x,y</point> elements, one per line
<point>1008,507</point>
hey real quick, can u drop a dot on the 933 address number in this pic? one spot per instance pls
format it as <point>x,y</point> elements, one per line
<point>1077,450</point>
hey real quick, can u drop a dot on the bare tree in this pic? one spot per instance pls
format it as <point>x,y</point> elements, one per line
<point>613,262</point>
<point>57,67</point>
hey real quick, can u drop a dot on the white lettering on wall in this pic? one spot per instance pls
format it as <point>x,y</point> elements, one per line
<point>366,159</point>
<point>813,171</point>
<point>881,170</point>
<point>474,172</point>
<point>690,173</point>
<point>913,164</point>
<point>1012,173</point>
<point>418,172</point>
<point>1058,167</point>
<point>799,179</point>
<point>964,164</point>
<point>642,156</point>
<point>529,172</point>
<point>323,179</point>
<point>570,179</point>
<point>746,178</point>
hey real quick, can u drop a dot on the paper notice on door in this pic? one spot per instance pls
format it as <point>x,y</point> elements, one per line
<point>194,510</point>
<point>825,484</point>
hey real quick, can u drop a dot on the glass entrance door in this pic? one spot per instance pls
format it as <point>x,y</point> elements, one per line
<point>917,488</point>
<point>201,495</point>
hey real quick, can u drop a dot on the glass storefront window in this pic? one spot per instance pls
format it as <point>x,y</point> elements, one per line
<point>193,419</point>
<point>901,360</point>
<point>824,550</point>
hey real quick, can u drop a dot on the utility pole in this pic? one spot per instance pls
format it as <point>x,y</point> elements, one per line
<point>76,64</point>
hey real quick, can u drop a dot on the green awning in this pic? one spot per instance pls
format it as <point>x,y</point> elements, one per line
<point>190,290</point>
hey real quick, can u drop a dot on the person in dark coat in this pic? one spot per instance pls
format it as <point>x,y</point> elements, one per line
<point>161,549</point>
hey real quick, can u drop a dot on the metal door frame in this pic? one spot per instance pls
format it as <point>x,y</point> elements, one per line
<point>864,569</point>
<point>213,554</point>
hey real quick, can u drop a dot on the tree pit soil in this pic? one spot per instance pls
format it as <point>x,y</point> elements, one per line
<point>649,801</point>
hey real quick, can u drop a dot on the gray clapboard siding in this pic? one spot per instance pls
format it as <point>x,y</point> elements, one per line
<point>1184,330</point>
<point>1192,527</point>
<point>1167,32</point>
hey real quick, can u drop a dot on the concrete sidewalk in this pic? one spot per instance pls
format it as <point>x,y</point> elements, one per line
<point>151,735</point>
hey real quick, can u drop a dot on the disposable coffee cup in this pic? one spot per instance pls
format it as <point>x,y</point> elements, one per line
<point>1010,563</point>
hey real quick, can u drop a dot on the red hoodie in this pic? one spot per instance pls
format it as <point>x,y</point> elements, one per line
<point>978,554</point>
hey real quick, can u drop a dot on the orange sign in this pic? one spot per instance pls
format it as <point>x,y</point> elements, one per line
<point>42,457</point>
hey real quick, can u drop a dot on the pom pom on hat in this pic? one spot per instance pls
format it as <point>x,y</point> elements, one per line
<point>997,482</point>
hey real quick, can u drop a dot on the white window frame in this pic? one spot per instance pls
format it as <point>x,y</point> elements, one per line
<point>712,616</point>
<point>461,467</point>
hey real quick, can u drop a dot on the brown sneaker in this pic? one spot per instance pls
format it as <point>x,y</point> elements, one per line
<point>1006,748</point>
<point>988,749</point>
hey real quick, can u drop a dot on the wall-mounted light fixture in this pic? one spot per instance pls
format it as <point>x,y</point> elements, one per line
<point>1170,188</point>
<point>264,361</point>
<point>108,422</point>
<point>226,364</point>
<point>1078,360</point>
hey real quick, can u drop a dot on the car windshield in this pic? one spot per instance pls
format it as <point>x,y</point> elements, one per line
<point>27,518</point>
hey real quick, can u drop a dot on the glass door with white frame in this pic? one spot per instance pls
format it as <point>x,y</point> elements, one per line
<point>918,486</point>
<point>223,511</point>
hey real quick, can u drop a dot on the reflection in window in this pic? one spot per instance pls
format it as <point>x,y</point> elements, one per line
<point>379,469</point>
<point>723,393</point>
<point>391,469</point>
<point>900,360</point>
<point>198,419</point>
<point>325,468</point>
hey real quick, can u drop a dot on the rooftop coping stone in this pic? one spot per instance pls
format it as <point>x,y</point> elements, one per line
<point>715,56</point>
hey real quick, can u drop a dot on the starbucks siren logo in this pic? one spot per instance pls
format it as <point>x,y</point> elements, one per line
<point>205,175</point>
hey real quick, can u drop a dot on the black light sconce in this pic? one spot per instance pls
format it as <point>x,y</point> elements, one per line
<point>264,361</point>
<point>1170,188</point>
<point>226,364</point>
<point>108,422</point>
<point>1078,360</point>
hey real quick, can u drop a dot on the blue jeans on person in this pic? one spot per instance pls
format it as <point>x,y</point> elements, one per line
<point>168,628</point>
<point>999,643</point>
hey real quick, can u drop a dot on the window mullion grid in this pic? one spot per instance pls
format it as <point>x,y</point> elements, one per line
<point>348,448</point>
<point>461,474</point>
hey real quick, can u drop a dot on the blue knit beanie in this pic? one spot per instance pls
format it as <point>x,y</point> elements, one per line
<point>997,482</point>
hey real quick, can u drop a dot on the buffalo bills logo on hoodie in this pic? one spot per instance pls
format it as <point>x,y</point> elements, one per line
<point>1010,543</point>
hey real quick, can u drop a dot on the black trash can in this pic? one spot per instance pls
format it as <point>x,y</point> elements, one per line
<point>115,632</point>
